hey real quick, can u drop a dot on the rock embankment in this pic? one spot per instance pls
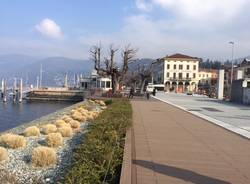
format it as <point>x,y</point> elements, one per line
<point>41,151</point>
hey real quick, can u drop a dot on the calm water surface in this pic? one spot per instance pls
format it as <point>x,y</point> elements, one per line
<point>14,114</point>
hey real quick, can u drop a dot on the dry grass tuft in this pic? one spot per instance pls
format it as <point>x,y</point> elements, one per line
<point>78,116</point>
<point>13,141</point>
<point>49,128</point>
<point>73,111</point>
<point>90,116</point>
<point>60,123</point>
<point>66,118</point>
<point>74,124</point>
<point>95,114</point>
<point>65,131</point>
<point>102,103</point>
<point>54,139</point>
<point>3,154</point>
<point>43,156</point>
<point>32,131</point>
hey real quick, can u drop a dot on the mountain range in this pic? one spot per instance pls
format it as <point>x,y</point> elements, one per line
<point>53,68</point>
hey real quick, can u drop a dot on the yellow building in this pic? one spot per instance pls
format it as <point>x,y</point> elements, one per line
<point>177,72</point>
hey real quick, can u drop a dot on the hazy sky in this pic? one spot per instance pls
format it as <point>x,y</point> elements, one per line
<point>68,28</point>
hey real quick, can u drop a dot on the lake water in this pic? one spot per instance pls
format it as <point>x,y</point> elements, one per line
<point>14,114</point>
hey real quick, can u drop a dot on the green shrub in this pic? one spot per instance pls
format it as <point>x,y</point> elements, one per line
<point>108,102</point>
<point>101,154</point>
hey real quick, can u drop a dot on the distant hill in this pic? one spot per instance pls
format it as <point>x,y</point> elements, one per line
<point>133,65</point>
<point>54,68</point>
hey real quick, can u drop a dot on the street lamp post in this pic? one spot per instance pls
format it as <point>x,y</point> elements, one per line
<point>232,67</point>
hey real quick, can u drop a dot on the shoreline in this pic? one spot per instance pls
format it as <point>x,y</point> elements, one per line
<point>19,164</point>
<point>43,119</point>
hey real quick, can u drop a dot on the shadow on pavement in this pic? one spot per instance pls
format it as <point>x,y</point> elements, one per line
<point>186,175</point>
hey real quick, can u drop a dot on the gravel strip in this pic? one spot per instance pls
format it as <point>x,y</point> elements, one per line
<point>19,163</point>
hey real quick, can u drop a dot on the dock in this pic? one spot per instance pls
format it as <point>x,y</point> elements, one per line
<point>55,94</point>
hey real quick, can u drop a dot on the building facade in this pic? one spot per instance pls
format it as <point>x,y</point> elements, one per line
<point>95,82</point>
<point>244,66</point>
<point>177,73</point>
<point>207,80</point>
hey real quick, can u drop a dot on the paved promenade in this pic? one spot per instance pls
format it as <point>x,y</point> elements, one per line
<point>234,117</point>
<point>170,146</point>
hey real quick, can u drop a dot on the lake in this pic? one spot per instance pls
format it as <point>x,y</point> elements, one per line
<point>14,114</point>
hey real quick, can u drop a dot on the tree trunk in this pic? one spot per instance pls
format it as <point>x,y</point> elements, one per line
<point>142,85</point>
<point>114,81</point>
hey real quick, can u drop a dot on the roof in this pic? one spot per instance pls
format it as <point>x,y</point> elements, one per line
<point>245,62</point>
<point>180,56</point>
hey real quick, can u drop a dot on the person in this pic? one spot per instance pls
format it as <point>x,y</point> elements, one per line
<point>148,94</point>
<point>131,93</point>
<point>154,91</point>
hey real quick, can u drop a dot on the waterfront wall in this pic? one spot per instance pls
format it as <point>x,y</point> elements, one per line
<point>56,94</point>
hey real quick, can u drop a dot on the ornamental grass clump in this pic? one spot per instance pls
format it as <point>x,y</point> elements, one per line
<point>65,131</point>
<point>43,156</point>
<point>95,114</point>
<point>31,131</point>
<point>54,140</point>
<point>90,116</point>
<point>3,154</point>
<point>102,103</point>
<point>49,128</point>
<point>74,124</point>
<point>66,118</point>
<point>78,116</point>
<point>60,123</point>
<point>13,141</point>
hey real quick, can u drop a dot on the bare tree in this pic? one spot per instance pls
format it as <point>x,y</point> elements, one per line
<point>132,78</point>
<point>145,73</point>
<point>108,66</point>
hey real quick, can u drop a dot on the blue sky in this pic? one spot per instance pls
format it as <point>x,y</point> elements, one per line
<point>200,28</point>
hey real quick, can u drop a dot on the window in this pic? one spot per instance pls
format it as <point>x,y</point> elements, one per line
<point>187,75</point>
<point>167,74</point>
<point>207,75</point>
<point>174,66</point>
<point>180,67</point>
<point>102,84</point>
<point>108,84</point>
<point>194,67</point>
<point>200,75</point>
<point>194,75</point>
<point>247,71</point>
<point>98,84</point>
<point>187,67</point>
<point>180,75</point>
<point>174,75</point>
<point>203,75</point>
<point>168,66</point>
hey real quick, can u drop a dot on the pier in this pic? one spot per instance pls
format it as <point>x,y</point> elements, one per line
<point>56,94</point>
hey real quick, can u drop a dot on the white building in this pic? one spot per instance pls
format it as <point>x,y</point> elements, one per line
<point>95,82</point>
<point>177,72</point>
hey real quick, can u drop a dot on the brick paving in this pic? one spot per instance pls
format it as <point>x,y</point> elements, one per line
<point>170,146</point>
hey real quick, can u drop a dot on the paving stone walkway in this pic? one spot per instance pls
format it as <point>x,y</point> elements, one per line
<point>170,146</point>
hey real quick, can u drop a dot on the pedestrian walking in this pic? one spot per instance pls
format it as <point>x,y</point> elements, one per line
<point>154,91</point>
<point>147,94</point>
<point>131,93</point>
